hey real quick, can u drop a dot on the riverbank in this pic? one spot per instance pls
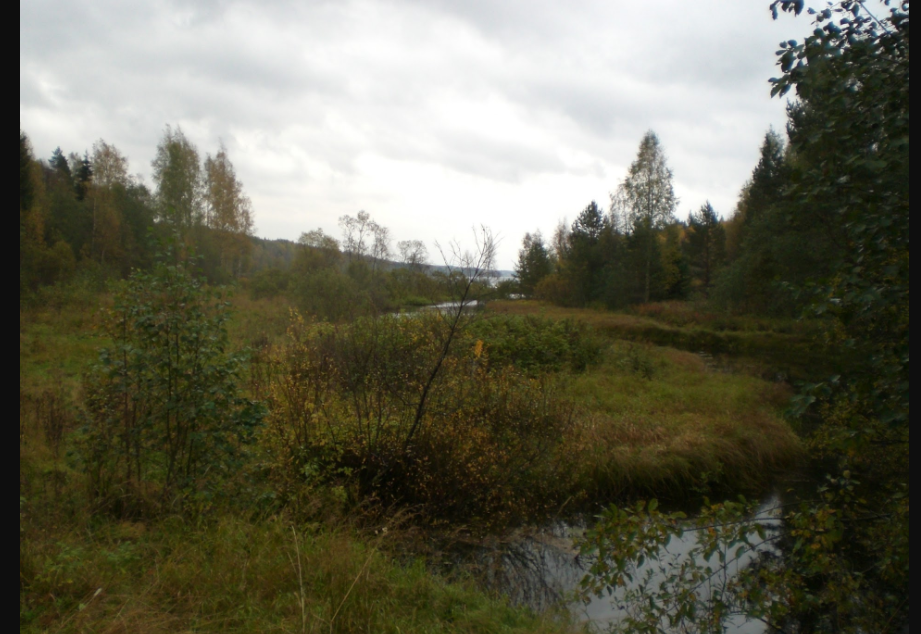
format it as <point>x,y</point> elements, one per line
<point>647,420</point>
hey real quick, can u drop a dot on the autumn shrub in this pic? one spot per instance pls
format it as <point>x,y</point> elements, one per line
<point>555,289</point>
<point>389,410</point>
<point>330,295</point>
<point>164,416</point>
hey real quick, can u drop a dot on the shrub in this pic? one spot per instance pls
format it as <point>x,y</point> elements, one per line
<point>536,345</point>
<point>165,418</point>
<point>386,407</point>
<point>269,284</point>
<point>330,296</point>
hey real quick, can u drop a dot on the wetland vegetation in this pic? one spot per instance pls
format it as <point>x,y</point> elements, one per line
<point>219,433</point>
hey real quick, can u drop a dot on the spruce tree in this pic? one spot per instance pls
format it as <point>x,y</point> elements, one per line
<point>60,165</point>
<point>534,263</point>
<point>83,177</point>
<point>705,245</point>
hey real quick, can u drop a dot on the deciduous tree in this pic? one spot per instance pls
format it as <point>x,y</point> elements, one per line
<point>413,253</point>
<point>646,198</point>
<point>178,180</point>
<point>228,211</point>
<point>317,252</point>
<point>357,234</point>
<point>110,177</point>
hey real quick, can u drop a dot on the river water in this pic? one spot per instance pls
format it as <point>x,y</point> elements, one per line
<point>544,566</point>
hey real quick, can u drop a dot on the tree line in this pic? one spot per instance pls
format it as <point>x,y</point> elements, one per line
<point>90,214</point>
<point>636,251</point>
<point>760,260</point>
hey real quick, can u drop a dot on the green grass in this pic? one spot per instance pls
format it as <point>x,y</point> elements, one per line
<point>660,419</point>
<point>660,422</point>
<point>247,577</point>
<point>57,346</point>
<point>225,572</point>
<point>652,421</point>
<point>770,347</point>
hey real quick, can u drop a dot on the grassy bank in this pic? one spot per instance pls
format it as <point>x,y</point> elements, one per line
<point>632,419</point>
<point>661,422</point>
<point>235,575</point>
<point>768,347</point>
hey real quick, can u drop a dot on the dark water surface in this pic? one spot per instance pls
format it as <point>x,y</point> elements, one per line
<point>544,567</point>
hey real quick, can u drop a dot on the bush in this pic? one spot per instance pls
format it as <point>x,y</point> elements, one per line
<point>535,345</point>
<point>165,418</point>
<point>387,409</point>
<point>269,284</point>
<point>330,296</point>
<point>556,290</point>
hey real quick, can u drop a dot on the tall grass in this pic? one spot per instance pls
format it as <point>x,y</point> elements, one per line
<point>224,569</point>
<point>615,418</point>
<point>240,576</point>
<point>660,422</point>
<point>782,348</point>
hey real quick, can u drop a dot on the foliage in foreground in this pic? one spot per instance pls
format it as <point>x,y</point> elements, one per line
<point>166,420</point>
<point>237,576</point>
<point>839,563</point>
<point>834,564</point>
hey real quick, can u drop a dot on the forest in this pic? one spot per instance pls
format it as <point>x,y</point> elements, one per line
<point>335,434</point>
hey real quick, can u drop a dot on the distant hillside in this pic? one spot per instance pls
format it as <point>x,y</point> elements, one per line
<point>280,254</point>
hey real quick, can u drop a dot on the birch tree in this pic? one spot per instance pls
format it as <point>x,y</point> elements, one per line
<point>227,211</point>
<point>109,170</point>
<point>646,199</point>
<point>178,179</point>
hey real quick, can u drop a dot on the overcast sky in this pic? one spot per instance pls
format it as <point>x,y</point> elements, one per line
<point>432,115</point>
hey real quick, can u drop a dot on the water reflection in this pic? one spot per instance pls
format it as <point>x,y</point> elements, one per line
<point>542,568</point>
<point>448,309</point>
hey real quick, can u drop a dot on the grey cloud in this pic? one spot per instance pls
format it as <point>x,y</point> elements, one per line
<point>310,88</point>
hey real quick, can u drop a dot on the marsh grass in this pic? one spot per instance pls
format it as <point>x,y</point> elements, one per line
<point>780,348</point>
<point>234,569</point>
<point>258,323</point>
<point>658,421</point>
<point>647,420</point>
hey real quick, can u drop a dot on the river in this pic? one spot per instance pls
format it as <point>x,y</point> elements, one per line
<point>542,567</point>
